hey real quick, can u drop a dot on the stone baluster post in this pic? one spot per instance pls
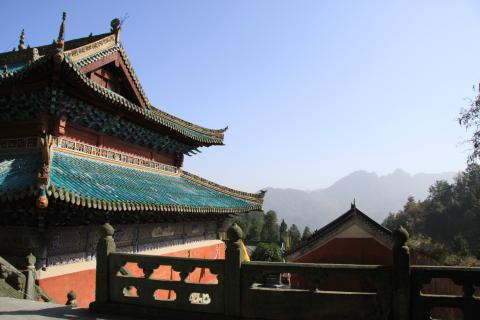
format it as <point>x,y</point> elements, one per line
<point>233,263</point>
<point>401,303</point>
<point>30,292</point>
<point>71,299</point>
<point>105,246</point>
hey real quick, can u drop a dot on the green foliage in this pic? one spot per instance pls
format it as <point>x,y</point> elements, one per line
<point>283,231</point>
<point>460,246</point>
<point>440,253</point>
<point>255,229</point>
<point>410,217</point>
<point>470,119</point>
<point>251,224</point>
<point>267,252</point>
<point>306,233</point>
<point>294,235</point>
<point>270,230</point>
<point>450,216</point>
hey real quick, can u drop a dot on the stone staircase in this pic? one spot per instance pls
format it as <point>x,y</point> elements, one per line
<point>21,284</point>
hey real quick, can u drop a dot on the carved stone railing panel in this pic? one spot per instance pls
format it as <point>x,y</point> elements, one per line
<point>313,302</point>
<point>182,289</point>
<point>423,303</point>
<point>376,276</point>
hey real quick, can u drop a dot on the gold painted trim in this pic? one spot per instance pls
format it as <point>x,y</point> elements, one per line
<point>91,48</point>
<point>113,161</point>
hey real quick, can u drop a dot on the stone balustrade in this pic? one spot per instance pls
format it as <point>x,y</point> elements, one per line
<point>241,291</point>
<point>312,302</point>
<point>14,283</point>
<point>185,292</point>
<point>423,303</point>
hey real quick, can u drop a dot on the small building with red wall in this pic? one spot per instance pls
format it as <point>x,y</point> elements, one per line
<point>352,238</point>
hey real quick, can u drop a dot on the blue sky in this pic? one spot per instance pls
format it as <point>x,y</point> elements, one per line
<point>311,90</point>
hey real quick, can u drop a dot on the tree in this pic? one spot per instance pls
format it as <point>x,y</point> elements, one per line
<point>411,217</point>
<point>267,252</point>
<point>255,230</point>
<point>242,223</point>
<point>294,235</point>
<point>283,231</point>
<point>450,216</point>
<point>460,245</point>
<point>470,119</point>
<point>306,233</point>
<point>270,230</point>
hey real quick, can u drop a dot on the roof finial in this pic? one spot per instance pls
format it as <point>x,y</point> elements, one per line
<point>352,205</point>
<point>116,27</point>
<point>21,41</point>
<point>61,32</point>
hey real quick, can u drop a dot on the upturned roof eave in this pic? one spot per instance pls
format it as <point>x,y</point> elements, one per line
<point>197,135</point>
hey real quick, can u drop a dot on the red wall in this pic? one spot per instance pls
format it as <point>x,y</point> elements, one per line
<point>345,251</point>
<point>350,250</point>
<point>83,282</point>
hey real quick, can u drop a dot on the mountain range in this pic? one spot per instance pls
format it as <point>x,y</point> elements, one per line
<point>375,195</point>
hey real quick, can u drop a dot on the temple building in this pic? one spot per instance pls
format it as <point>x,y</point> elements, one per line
<point>352,238</point>
<point>81,144</point>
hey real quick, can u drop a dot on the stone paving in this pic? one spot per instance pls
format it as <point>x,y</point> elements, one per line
<point>18,309</point>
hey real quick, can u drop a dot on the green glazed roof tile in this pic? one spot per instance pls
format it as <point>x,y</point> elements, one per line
<point>18,172</point>
<point>118,187</point>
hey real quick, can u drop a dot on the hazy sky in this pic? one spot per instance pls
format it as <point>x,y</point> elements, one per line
<point>311,90</point>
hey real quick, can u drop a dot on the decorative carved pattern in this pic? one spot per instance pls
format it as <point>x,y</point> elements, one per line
<point>57,103</point>
<point>85,115</point>
<point>19,143</point>
<point>105,153</point>
<point>24,107</point>
<point>91,48</point>
<point>148,268</point>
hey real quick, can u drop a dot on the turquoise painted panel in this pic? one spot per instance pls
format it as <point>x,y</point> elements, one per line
<point>110,182</point>
<point>18,172</point>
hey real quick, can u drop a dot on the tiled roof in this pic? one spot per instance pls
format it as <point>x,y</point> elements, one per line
<point>25,54</point>
<point>84,51</point>
<point>18,174</point>
<point>117,187</point>
<point>330,228</point>
<point>105,185</point>
<point>197,133</point>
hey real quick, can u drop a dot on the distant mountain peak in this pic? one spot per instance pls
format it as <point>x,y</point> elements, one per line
<point>375,195</point>
<point>399,171</point>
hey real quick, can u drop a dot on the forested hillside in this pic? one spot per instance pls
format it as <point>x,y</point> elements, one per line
<point>446,225</point>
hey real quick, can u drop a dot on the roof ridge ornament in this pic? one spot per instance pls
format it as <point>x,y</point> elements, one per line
<point>21,41</point>
<point>116,27</point>
<point>353,205</point>
<point>60,43</point>
<point>61,33</point>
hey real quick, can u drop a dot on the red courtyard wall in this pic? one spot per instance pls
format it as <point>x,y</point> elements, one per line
<point>83,282</point>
